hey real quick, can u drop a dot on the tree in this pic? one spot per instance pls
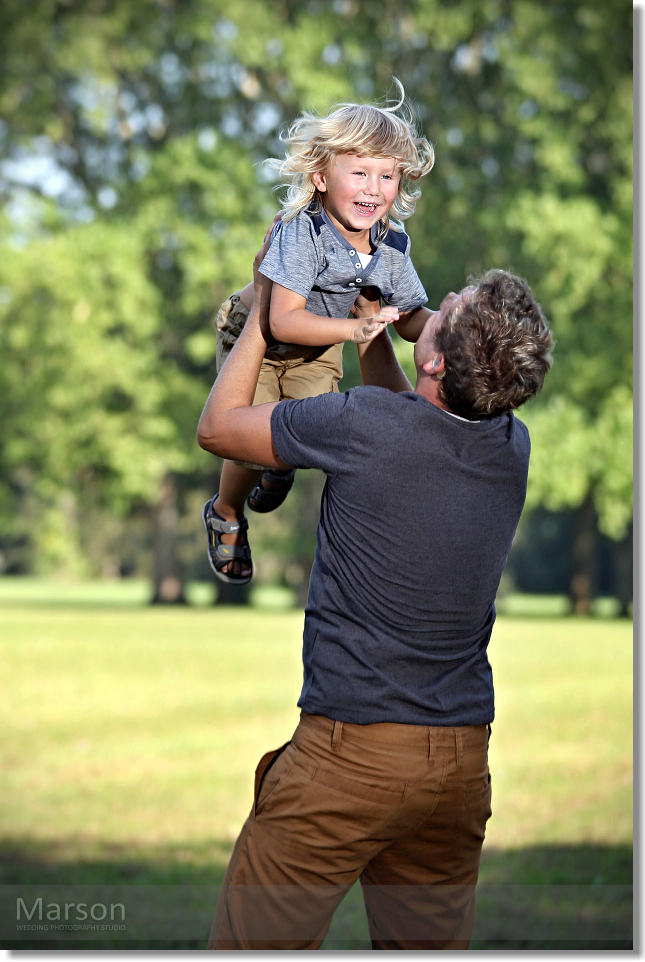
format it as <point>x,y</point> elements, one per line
<point>108,348</point>
<point>82,405</point>
<point>148,118</point>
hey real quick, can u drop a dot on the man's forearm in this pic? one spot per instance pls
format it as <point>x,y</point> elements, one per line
<point>230,425</point>
<point>409,327</point>
<point>236,383</point>
<point>380,366</point>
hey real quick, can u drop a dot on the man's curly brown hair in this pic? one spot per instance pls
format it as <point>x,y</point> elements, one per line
<point>496,347</point>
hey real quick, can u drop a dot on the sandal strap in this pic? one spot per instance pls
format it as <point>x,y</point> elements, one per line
<point>282,476</point>
<point>263,494</point>
<point>226,527</point>
<point>229,552</point>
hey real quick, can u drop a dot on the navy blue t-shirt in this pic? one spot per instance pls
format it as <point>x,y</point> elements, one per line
<point>417,518</point>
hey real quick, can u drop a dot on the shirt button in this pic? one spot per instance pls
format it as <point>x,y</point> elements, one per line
<point>351,284</point>
<point>358,280</point>
<point>352,253</point>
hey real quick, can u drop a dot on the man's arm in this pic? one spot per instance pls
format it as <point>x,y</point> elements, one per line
<point>380,365</point>
<point>378,362</point>
<point>411,323</point>
<point>229,426</point>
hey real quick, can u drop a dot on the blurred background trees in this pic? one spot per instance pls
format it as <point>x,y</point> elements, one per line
<point>133,203</point>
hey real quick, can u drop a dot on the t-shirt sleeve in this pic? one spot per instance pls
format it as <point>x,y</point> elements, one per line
<point>292,258</point>
<point>409,292</point>
<point>314,432</point>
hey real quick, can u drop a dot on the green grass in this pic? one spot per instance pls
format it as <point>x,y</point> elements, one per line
<point>130,737</point>
<point>123,593</point>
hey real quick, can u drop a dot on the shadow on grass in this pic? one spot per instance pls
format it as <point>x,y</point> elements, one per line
<point>549,896</point>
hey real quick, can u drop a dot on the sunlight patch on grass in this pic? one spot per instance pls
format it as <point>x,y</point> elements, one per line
<point>142,728</point>
<point>560,754</point>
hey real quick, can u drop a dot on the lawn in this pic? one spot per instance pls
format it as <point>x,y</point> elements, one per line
<point>130,736</point>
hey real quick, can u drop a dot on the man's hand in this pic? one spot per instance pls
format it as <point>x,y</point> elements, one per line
<point>262,285</point>
<point>372,319</point>
<point>368,303</point>
<point>367,328</point>
<point>259,257</point>
<point>379,364</point>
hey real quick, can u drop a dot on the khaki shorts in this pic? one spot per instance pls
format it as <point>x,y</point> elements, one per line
<point>299,375</point>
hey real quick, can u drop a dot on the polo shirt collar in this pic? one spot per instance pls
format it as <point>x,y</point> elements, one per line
<point>343,240</point>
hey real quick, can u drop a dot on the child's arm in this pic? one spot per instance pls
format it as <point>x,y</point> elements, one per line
<point>411,323</point>
<point>292,324</point>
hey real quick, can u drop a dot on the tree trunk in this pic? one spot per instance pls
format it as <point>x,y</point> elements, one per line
<point>583,584</point>
<point>232,594</point>
<point>169,587</point>
<point>623,572</point>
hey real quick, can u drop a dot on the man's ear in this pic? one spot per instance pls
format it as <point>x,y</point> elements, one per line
<point>435,365</point>
<point>319,181</point>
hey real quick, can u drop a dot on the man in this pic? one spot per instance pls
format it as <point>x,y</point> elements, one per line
<point>386,777</point>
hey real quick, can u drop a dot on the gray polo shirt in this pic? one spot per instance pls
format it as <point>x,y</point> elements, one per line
<point>311,257</point>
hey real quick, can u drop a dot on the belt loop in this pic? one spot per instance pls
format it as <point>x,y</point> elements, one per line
<point>336,735</point>
<point>459,745</point>
<point>432,745</point>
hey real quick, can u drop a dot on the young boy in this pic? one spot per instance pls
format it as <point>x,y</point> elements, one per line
<point>346,173</point>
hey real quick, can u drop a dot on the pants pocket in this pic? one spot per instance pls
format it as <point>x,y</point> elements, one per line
<point>366,792</point>
<point>480,795</point>
<point>266,779</point>
<point>479,810</point>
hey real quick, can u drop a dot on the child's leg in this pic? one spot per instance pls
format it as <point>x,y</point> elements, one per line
<point>236,482</point>
<point>310,378</point>
<point>298,379</point>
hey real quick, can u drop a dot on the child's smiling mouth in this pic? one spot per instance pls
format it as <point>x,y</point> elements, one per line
<point>365,209</point>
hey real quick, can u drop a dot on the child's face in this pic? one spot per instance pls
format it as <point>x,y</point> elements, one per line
<point>358,191</point>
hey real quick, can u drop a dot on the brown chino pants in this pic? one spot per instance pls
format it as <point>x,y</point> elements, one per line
<point>402,807</point>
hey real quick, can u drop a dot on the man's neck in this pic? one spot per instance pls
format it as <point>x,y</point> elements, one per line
<point>428,387</point>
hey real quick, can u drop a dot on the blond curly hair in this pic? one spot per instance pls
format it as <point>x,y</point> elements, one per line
<point>312,142</point>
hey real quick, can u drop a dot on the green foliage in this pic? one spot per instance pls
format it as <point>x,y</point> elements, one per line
<point>109,348</point>
<point>147,121</point>
<point>594,454</point>
<point>81,386</point>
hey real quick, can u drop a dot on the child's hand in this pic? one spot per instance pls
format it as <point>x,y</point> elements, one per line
<point>367,328</point>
